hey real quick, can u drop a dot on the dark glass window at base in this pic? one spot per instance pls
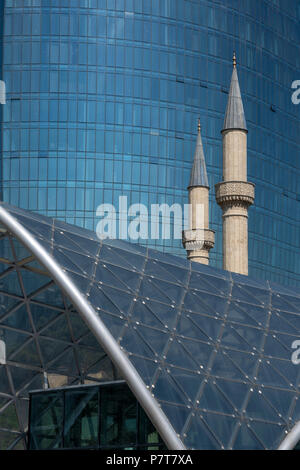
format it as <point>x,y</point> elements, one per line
<point>105,416</point>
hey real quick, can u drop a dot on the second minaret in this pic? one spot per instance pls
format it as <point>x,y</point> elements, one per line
<point>234,194</point>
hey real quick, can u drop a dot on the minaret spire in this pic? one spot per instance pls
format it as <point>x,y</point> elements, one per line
<point>235,194</point>
<point>235,116</point>
<point>199,173</point>
<point>198,240</point>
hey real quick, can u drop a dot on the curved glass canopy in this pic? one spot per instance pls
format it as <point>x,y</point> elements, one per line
<point>211,351</point>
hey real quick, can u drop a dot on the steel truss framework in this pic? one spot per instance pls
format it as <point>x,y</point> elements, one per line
<point>206,352</point>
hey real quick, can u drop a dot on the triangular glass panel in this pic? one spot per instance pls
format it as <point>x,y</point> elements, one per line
<point>211,327</point>
<point>18,444</point>
<point>144,315</point>
<point>8,303</point>
<point>217,303</point>
<point>291,319</point>
<point>274,348</point>
<point>282,400</point>
<point>38,228</point>
<point>246,440</point>
<point>42,315</point>
<point>172,291</point>
<point>177,415</point>
<point>5,250</point>
<point>58,330</point>
<point>64,364</point>
<point>199,351</point>
<point>285,302</point>
<point>134,344</point>
<point>100,301</point>
<point>224,367</point>
<point>236,392</point>
<point>246,362</point>
<point>6,439</point>
<point>21,377</point>
<point>4,267</point>
<point>162,271</point>
<point>237,315</point>
<point>186,328</point>
<point>120,299</point>
<point>253,336</point>
<point>51,349</point>
<point>20,251</point>
<point>287,340</point>
<point>288,370</point>
<point>145,368</point>
<point>167,390</point>
<point>65,262</point>
<point>4,384</point>
<point>113,323</point>
<point>35,383</point>
<point>129,279</point>
<point>259,408</point>
<point>90,341</point>
<point>278,324</point>
<point>268,376</point>
<point>270,434</point>
<point>134,261</point>
<point>210,284</point>
<point>149,290</point>
<point>32,281</point>
<point>79,327</point>
<point>199,437</point>
<point>247,294</point>
<point>193,303</point>
<point>88,358</point>
<point>13,341</point>
<point>188,382</point>
<point>259,315</point>
<point>111,255</point>
<point>213,400</point>
<point>223,428</point>
<point>73,243</point>
<point>178,356</point>
<point>232,339</point>
<point>10,284</point>
<point>155,339</point>
<point>9,419</point>
<point>105,275</point>
<point>28,355</point>
<point>51,295</point>
<point>102,370</point>
<point>18,319</point>
<point>85,263</point>
<point>165,313</point>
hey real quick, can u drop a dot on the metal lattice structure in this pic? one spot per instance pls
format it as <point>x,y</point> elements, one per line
<point>207,353</point>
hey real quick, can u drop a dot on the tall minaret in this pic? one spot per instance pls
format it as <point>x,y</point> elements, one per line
<point>235,194</point>
<point>198,240</point>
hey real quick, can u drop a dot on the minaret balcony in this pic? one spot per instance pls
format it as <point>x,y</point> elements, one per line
<point>235,193</point>
<point>198,239</point>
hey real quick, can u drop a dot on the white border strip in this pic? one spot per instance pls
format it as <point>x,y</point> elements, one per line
<point>102,334</point>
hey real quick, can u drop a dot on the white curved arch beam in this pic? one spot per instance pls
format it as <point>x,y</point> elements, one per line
<point>291,439</point>
<point>100,331</point>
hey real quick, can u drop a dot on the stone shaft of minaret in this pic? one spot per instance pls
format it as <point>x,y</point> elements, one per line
<point>235,194</point>
<point>198,239</point>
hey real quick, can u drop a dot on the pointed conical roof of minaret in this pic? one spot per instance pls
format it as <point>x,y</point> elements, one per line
<point>235,116</point>
<point>199,174</point>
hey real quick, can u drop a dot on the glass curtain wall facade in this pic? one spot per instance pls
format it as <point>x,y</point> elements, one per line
<point>103,99</point>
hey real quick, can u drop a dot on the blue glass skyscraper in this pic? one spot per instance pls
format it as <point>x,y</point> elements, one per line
<point>103,98</point>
